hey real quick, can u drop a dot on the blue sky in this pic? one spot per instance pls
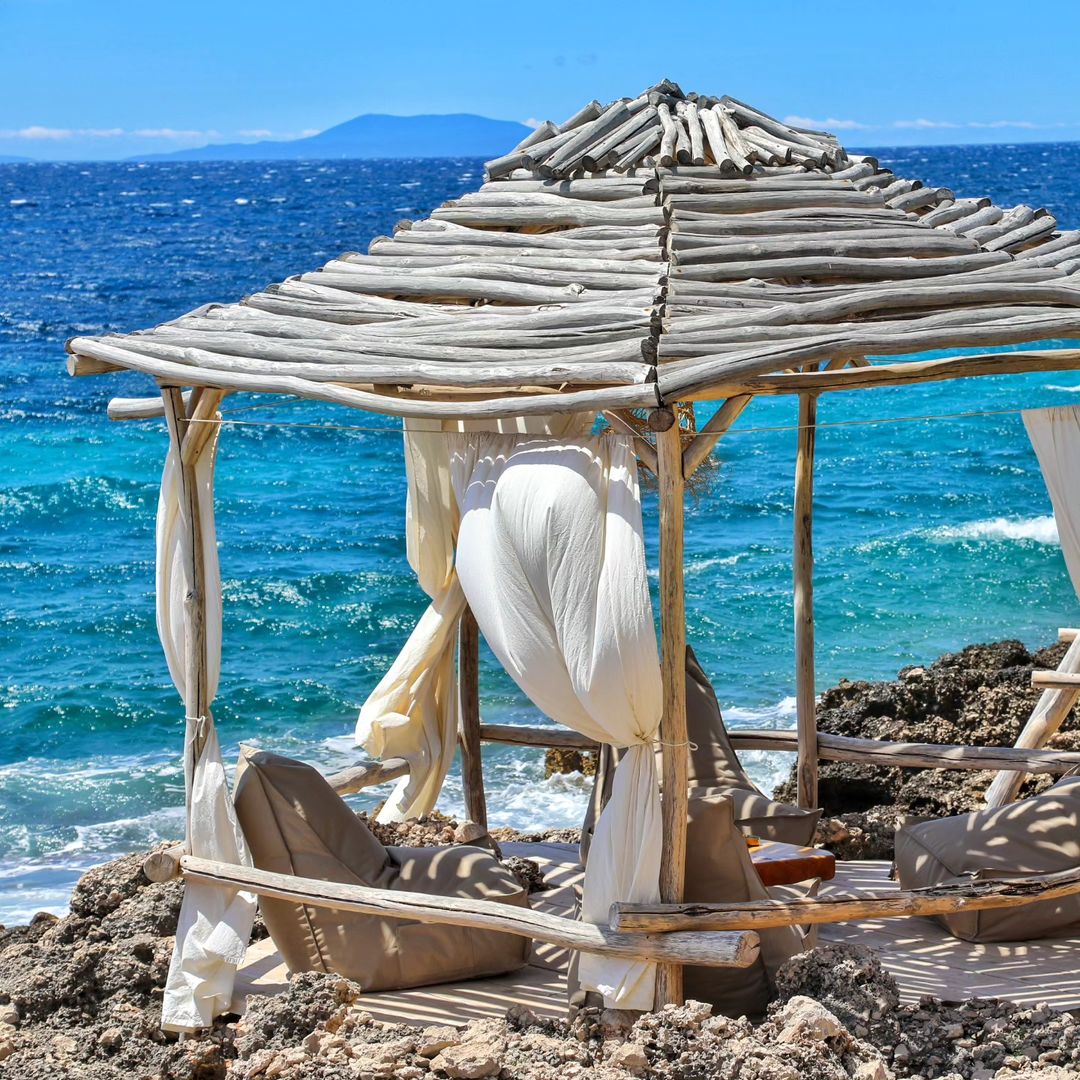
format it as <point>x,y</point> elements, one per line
<point>110,78</point>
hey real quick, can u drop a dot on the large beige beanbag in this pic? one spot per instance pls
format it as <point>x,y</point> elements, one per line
<point>1039,835</point>
<point>714,769</point>
<point>295,823</point>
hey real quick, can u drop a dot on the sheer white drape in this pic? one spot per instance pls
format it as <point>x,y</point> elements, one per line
<point>215,923</point>
<point>551,559</point>
<point>1055,435</point>
<point>413,712</point>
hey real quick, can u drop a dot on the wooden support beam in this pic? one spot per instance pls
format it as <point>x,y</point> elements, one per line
<point>1057,701</point>
<point>803,573</point>
<point>713,431</point>
<point>520,735</point>
<point>705,949</point>
<point>1056,680</point>
<point>669,451</point>
<point>367,774</point>
<point>845,907</point>
<point>472,768</point>
<point>620,420</point>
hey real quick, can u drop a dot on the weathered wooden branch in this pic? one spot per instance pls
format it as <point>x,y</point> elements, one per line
<point>367,774</point>
<point>758,914</point>
<point>707,950</point>
<point>520,735</point>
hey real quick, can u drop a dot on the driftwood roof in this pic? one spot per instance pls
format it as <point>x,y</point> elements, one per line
<point>667,247</point>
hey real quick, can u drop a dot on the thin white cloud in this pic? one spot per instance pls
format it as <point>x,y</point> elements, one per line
<point>308,132</point>
<point>173,133</point>
<point>256,133</point>
<point>923,124</point>
<point>830,124</point>
<point>532,122</point>
<point>1009,124</point>
<point>37,132</point>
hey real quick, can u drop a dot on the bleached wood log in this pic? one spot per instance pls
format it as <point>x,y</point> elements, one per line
<point>1010,219</point>
<point>828,266</point>
<point>985,215</point>
<point>1056,680</point>
<point>493,197</point>
<point>670,134</point>
<point>758,201</point>
<point>904,755</point>
<point>1022,236</point>
<point>622,397</point>
<point>584,115</point>
<point>683,154</point>
<point>596,156</point>
<point>917,199</point>
<point>79,366</point>
<point>748,115</point>
<point>520,735</point>
<point>542,132</point>
<point>693,127</point>
<point>737,147</point>
<point>635,153</point>
<point>569,156</point>
<point>164,864</point>
<point>419,255</point>
<point>673,732</point>
<point>806,770</point>
<point>953,212</point>
<point>1067,239</point>
<point>910,373</point>
<point>707,950</point>
<point>944,899</point>
<point>367,774</point>
<point>596,189</point>
<point>710,122</point>
<point>931,245</point>
<point>148,408</point>
<point>574,212</point>
<point>714,430</point>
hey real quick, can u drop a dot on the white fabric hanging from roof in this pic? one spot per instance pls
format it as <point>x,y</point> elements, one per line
<point>215,923</point>
<point>1055,435</point>
<point>551,558</point>
<point>413,712</point>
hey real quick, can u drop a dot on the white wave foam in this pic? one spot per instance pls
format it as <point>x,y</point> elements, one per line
<point>1041,530</point>
<point>1065,389</point>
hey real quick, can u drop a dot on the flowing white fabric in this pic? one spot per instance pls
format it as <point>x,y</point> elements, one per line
<point>551,559</point>
<point>1055,435</point>
<point>413,712</point>
<point>215,923</point>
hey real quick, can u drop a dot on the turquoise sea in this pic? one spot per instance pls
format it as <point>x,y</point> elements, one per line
<point>930,535</point>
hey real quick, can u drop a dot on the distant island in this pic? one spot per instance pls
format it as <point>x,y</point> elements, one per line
<point>374,135</point>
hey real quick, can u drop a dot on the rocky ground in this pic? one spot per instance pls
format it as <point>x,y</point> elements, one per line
<point>80,996</point>
<point>981,695</point>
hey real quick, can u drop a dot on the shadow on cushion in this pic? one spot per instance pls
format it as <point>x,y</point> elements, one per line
<point>295,823</point>
<point>1039,835</point>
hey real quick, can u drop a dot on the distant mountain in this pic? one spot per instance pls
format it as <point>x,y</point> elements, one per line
<point>375,135</point>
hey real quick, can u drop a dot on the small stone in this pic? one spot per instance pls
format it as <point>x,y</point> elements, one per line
<point>9,1014</point>
<point>433,1040</point>
<point>871,1070</point>
<point>901,1054</point>
<point>522,1016</point>
<point>802,1017</point>
<point>954,1032</point>
<point>467,1061</point>
<point>629,1056</point>
<point>7,1048</point>
<point>65,1044</point>
<point>111,1038</point>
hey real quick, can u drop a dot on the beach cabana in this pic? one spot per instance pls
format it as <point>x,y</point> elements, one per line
<point>625,270</point>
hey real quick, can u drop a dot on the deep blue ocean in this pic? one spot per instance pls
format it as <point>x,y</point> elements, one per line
<point>929,535</point>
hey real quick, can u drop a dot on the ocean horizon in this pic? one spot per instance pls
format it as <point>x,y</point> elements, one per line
<point>933,527</point>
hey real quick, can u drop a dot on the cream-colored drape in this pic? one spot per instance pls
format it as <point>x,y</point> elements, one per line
<point>413,712</point>
<point>215,923</point>
<point>1055,435</point>
<point>551,558</point>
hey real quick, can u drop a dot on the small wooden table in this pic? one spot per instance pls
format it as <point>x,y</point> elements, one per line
<point>787,864</point>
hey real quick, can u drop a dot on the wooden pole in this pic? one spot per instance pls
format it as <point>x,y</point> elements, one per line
<point>472,769</point>
<point>669,982</point>
<point>807,771</point>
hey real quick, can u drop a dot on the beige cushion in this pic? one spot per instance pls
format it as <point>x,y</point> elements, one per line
<point>714,768</point>
<point>295,823</point>
<point>1039,835</point>
<point>718,869</point>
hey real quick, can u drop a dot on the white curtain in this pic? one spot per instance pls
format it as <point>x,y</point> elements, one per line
<point>551,559</point>
<point>1055,435</point>
<point>413,712</point>
<point>215,923</point>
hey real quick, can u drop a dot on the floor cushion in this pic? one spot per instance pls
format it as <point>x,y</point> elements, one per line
<point>295,824</point>
<point>1039,835</point>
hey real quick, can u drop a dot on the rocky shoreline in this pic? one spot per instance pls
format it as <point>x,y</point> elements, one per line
<point>80,996</point>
